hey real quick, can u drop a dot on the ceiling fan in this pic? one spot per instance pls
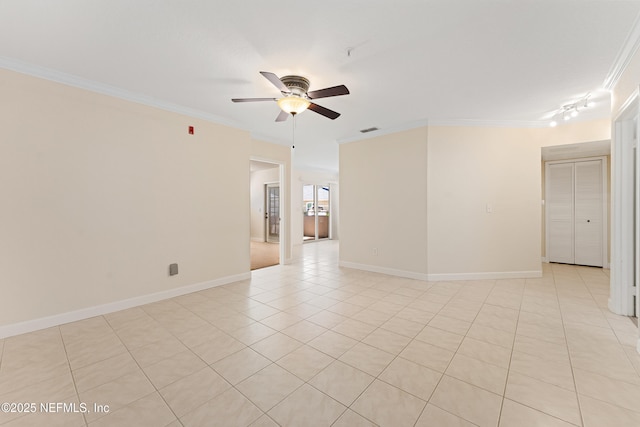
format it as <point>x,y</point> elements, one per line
<point>297,97</point>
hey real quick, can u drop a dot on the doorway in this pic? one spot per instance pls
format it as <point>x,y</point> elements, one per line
<point>625,242</point>
<point>576,211</point>
<point>266,214</point>
<point>272,212</point>
<point>316,212</point>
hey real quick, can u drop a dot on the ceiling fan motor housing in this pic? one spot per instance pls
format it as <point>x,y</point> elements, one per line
<point>298,85</point>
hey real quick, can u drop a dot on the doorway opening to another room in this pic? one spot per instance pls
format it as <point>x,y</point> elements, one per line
<point>272,212</point>
<point>266,214</point>
<point>316,212</point>
<point>625,242</point>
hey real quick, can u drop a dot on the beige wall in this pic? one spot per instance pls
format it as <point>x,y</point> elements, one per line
<point>383,205</point>
<point>470,168</point>
<point>440,181</point>
<point>100,195</point>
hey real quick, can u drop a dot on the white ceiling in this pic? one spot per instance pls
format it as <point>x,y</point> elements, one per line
<point>411,61</point>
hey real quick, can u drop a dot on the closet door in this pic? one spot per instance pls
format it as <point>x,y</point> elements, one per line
<point>588,213</point>
<point>560,220</point>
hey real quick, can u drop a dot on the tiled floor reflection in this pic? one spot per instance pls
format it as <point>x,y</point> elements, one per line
<point>311,344</point>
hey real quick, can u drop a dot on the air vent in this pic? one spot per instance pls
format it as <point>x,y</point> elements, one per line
<point>369,130</point>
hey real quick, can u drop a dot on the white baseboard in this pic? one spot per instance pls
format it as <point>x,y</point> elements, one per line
<point>444,277</point>
<point>486,275</point>
<point>99,310</point>
<point>545,259</point>
<point>384,270</point>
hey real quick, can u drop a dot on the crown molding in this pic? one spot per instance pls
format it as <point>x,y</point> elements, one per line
<point>449,123</point>
<point>489,123</point>
<point>105,89</point>
<point>626,52</point>
<point>384,131</point>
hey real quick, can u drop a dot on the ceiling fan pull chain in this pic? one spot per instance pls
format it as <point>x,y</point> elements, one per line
<point>293,132</point>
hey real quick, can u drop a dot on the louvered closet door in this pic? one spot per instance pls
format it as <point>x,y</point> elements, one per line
<point>560,212</point>
<point>588,213</point>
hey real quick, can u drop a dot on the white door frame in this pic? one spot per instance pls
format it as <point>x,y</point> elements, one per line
<point>284,218</point>
<point>605,214</point>
<point>315,202</point>
<point>623,261</point>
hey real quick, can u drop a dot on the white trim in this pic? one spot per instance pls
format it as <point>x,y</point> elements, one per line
<point>519,124</point>
<point>485,275</point>
<point>626,109</point>
<point>99,310</point>
<point>490,123</point>
<point>545,259</point>
<point>443,277</point>
<point>105,89</point>
<point>621,299</point>
<point>388,131</point>
<point>384,270</point>
<point>624,56</point>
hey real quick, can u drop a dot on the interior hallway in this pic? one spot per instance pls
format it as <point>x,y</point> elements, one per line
<point>314,344</point>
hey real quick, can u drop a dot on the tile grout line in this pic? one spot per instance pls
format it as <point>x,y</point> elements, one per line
<point>564,330</point>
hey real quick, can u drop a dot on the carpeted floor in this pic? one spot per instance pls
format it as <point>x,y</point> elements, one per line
<point>264,254</point>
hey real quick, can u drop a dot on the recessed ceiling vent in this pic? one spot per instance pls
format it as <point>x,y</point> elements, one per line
<point>369,130</point>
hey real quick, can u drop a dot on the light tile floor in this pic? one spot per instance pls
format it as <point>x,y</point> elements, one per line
<point>312,344</point>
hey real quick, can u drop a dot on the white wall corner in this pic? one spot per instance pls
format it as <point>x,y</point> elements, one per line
<point>545,259</point>
<point>99,310</point>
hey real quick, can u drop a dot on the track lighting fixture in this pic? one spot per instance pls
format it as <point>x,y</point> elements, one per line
<point>568,111</point>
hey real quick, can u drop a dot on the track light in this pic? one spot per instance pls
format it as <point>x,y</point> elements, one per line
<point>568,111</point>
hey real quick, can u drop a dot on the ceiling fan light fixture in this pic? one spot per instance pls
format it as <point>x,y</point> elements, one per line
<point>293,104</point>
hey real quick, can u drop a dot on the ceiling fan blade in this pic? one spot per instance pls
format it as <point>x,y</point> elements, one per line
<point>282,116</point>
<point>330,91</point>
<point>324,111</point>
<point>252,99</point>
<point>275,80</point>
